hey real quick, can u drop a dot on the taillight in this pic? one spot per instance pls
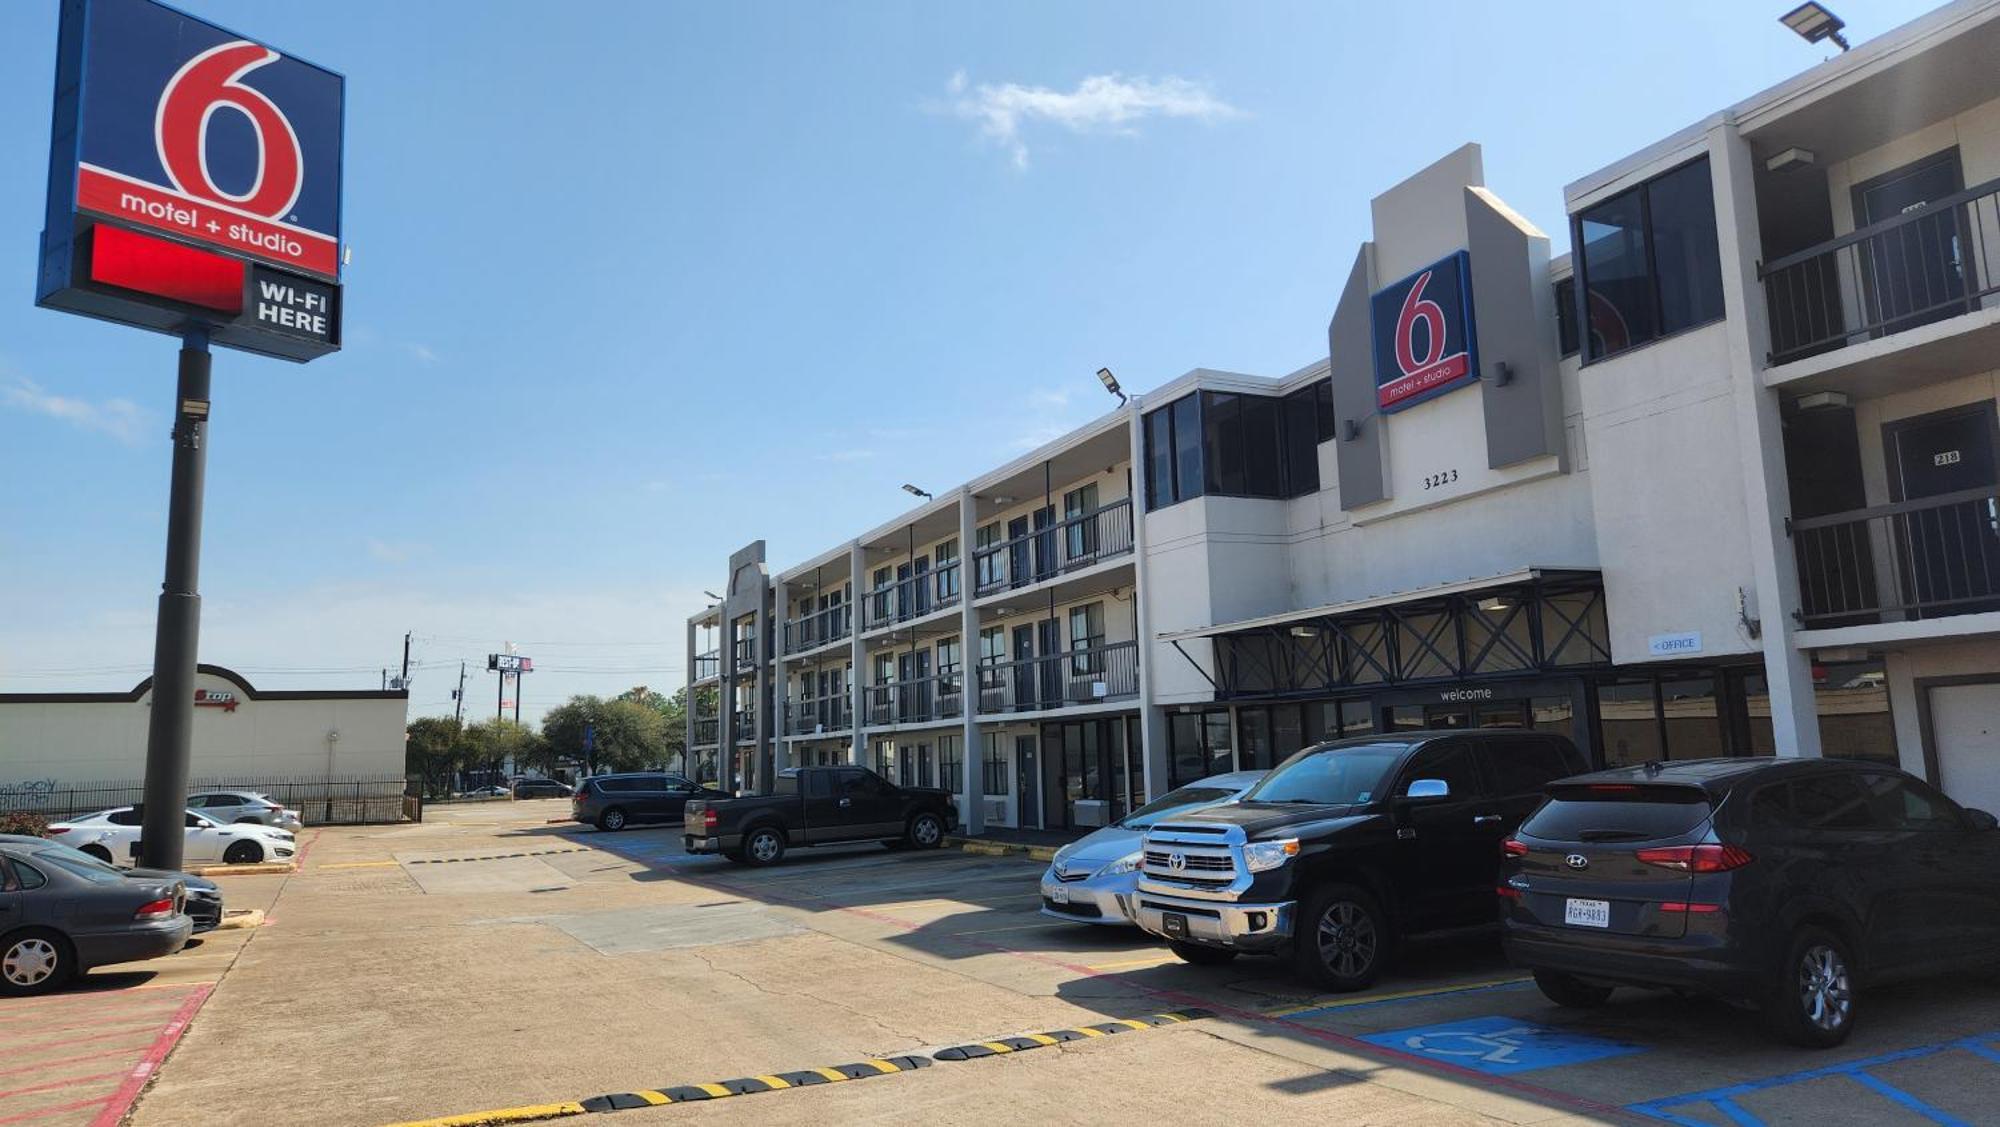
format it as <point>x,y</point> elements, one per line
<point>157,910</point>
<point>1691,909</point>
<point>1512,848</point>
<point>1697,858</point>
<point>708,819</point>
<point>54,830</point>
<point>1507,893</point>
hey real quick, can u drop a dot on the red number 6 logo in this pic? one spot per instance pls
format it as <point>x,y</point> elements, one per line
<point>210,82</point>
<point>1417,307</point>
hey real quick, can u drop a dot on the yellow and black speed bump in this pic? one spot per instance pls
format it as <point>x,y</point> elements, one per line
<point>1058,1036</point>
<point>750,1085</point>
<point>499,856</point>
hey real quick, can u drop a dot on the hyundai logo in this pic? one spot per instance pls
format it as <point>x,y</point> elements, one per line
<point>1177,861</point>
<point>1577,861</point>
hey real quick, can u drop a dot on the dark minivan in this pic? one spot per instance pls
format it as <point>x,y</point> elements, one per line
<point>612,802</point>
<point>1781,884</point>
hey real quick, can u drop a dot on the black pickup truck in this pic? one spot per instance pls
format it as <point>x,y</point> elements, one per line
<point>819,806</point>
<point>1346,848</point>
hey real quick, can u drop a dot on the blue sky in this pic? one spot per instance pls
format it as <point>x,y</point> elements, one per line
<point>636,283</point>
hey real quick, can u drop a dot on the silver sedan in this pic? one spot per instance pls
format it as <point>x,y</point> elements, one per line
<point>1094,879</point>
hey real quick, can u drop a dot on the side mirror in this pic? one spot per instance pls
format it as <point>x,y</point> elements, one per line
<point>1981,820</point>
<point>1428,789</point>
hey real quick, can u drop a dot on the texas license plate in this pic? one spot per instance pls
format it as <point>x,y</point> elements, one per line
<point>1059,894</point>
<point>1174,924</point>
<point>1587,913</point>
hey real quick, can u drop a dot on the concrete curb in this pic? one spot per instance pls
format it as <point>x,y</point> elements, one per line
<point>264,867</point>
<point>243,918</point>
<point>986,847</point>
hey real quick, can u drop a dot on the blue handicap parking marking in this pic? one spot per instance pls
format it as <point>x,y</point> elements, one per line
<point>1501,1046</point>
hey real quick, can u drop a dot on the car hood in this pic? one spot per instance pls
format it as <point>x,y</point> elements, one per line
<point>1089,854</point>
<point>1261,818</point>
<point>189,879</point>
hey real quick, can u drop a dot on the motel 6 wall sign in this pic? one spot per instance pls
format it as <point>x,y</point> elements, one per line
<point>1423,334</point>
<point>194,179</point>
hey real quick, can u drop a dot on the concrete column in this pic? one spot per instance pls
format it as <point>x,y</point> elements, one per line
<point>758,775</point>
<point>1761,445</point>
<point>687,715</point>
<point>780,682</point>
<point>971,801</point>
<point>1152,723</point>
<point>857,566</point>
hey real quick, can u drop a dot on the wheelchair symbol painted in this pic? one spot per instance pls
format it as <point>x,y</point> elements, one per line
<point>1500,1045</point>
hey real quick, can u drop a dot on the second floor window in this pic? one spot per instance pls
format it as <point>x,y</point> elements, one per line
<point>1648,262</point>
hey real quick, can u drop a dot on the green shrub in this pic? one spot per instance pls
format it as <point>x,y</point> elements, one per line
<point>22,822</point>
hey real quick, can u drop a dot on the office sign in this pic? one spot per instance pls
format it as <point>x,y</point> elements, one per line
<point>1423,334</point>
<point>188,163</point>
<point>1686,643</point>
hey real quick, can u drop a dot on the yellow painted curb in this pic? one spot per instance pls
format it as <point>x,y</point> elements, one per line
<point>528,1113</point>
<point>246,918</point>
<point>262,867</point>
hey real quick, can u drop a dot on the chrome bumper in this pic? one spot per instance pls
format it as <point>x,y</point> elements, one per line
<point>1216,923</point>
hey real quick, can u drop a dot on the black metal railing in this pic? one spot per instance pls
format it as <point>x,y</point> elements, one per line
<point>707,729</point>
<point>804,717</point>
<point>940,696</point>
<point>1044,553</point>
<point>1927,558</point>
<point>745,651</point>
<point>707,665</point>
<point>746,725</point>
<point>1930,263</point>
<point>818,628</point>
<point>320,800</point>
<point>911,597</point>
<point>1085,675</point>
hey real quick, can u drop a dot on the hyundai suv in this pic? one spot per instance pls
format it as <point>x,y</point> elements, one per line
<point>1787,885</point>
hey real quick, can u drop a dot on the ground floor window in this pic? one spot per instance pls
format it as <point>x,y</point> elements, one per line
<point>884,760</point>
<point>1852,699</point>
<point>951,764</point>
<point>1199,745</point>
<point>994,766</point>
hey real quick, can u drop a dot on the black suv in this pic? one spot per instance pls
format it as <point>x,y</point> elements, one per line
<point>1782,884</point>
<point>1347,847</point>
<point>612,802</point>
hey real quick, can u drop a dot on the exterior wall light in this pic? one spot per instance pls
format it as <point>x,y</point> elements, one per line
<point>1110,383</point>
<point>1813,23</point>
<point>915,492</point>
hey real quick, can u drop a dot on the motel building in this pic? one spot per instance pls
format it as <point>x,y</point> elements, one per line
<point>1713,472</point>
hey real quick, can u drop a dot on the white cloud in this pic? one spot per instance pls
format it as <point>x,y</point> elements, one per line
<point>386,552</point>
<point>844,456</point>
<point>422,353</point>
<point>121,419</point>
<point>1103,103</point>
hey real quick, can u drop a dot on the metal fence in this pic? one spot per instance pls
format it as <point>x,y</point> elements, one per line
<point>337,800</point>
<point>1926,558</point>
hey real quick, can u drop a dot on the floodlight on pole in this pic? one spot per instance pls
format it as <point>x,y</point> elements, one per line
<point>713,595</point>
<point>1110,383</point>
<point>1813,22</point>
<point>915,492</point>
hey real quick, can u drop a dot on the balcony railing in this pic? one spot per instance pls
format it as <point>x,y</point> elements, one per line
<point>915,701</point>
<point>818,628</point>
<point>1070,544</point>
<point>707,729</point>
<point>1927,558</point>
<point>1931,263</point>
<point>707,665</point>
<point>745,649</point>
<point>746,726</point>
<point>819,714</point>
<point>912,597</point>
<point>1087,675</point>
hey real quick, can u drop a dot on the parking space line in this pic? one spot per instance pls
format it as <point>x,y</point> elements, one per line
<point>63,1083</point>
<point>1723,1099</point>
<point>1315,1007</point>
<point>78,1059</point>
<point>79,1105</point>
<point>1159,960</point>
<point>1889,1090</point>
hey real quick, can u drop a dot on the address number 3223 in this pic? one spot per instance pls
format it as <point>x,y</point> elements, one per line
<point>1440,478</point>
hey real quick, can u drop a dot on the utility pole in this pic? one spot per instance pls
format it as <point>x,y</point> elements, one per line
<point>458,699</point>
<point>385,679</point>
<point>406,659</point>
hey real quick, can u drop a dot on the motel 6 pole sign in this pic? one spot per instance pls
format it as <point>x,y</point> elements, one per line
<point>194,190</point>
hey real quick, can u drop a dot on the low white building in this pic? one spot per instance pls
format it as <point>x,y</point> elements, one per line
<point>243,736</point>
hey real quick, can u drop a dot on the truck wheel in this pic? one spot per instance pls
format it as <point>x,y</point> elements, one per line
<point>1199,955</point>
<point>764,846</point>
<point>1342,939</point>
<point>1565,990</point>
<point>1813,1001</point>
<point>612,820</point>
<point>926,831</point>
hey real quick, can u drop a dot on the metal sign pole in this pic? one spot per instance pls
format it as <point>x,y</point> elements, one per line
<point>170,731</point>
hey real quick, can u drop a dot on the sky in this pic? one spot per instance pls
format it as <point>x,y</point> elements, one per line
<point>634,284</point>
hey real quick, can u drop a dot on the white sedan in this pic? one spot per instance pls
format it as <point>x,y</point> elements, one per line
<point>113,835</point>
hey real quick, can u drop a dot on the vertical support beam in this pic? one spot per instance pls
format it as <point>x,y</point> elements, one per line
<point>759,770</point>
<point>971,800</point>
<point>177,633</point>
<point>688,713</point>
<point>1760,444</point>
<point>857,566</point>
<point>1152,722</point>
<point>780,681</point>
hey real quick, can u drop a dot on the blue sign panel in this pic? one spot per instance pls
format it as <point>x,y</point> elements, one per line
<point>1501,1046</point>
<point>219,160</point>
<point>1424,340</point>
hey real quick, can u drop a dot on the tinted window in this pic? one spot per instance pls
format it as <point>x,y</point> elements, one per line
<point>1687,264</point>
<point>1525,766</point>
<point>1566,317</point>
<point>86,867</point>
<point>1617,812</point>
<point>1159,459</point>
<point>1830,802</point>
<point>7,881</point>
<point>1649,260</point>
<point>28,876</point>
<point>1906,804</point>
<point>192,820</point>
<point>787,782</point>
<point>1451,761</point>
<point>130,817</point>
<point>1187,447</point>
<point>819,784</point>
<point>1338,776</point>
<point>1612,236</point>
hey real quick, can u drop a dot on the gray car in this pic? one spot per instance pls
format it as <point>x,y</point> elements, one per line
<point>60,917</point>
<point>229,807</point>
<point>1093,880</point>
<point>204,896</point>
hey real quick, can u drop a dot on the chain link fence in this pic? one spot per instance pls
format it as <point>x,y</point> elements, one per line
<point>335,800</point>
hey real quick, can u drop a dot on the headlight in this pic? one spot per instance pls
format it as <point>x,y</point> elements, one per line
<point>1123,865</point>
<point>1261,855</point>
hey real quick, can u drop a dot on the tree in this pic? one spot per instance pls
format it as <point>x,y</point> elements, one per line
<point>491,742</point>
<point>433,749</point>
<point>625,734</point>
<point>673,714</point>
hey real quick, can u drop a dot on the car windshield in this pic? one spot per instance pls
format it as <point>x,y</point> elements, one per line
<point>1174,802</point>
<point>76,856</point>
<point>86,867</point>
<point>1334,776</point>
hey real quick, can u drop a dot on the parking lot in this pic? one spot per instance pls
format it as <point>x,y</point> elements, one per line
<point>488,960</point>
